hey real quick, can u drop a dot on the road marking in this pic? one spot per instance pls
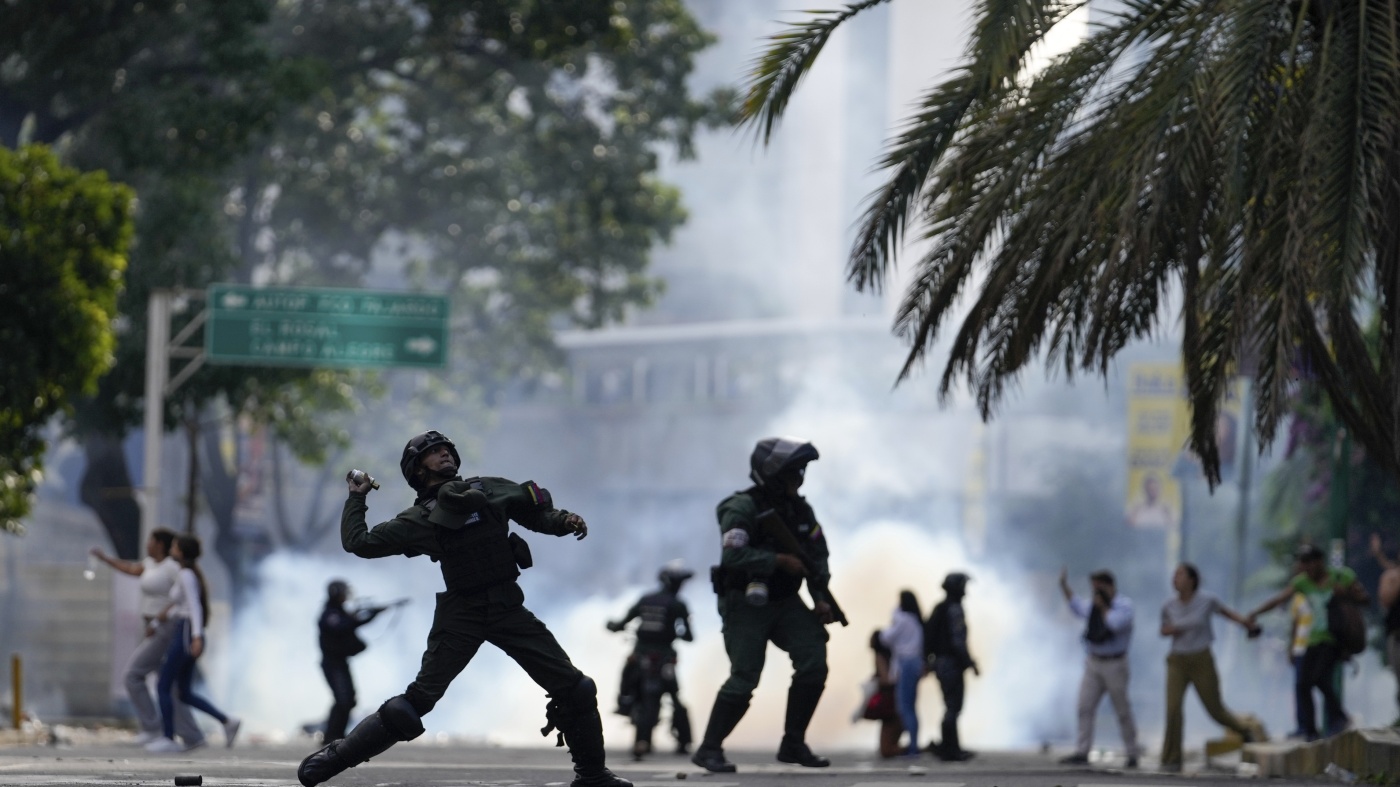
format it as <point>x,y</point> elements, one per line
<point>1135,784</point>
<point>906,784</point>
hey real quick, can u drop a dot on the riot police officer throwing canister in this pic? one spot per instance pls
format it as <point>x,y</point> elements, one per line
<point>650,670</point>
<point>770,542</point>
<point>463,526</point>
<point>338,643</point>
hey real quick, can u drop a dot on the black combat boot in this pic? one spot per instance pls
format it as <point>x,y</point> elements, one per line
<point>370,738</point>
<point>801,704</point>
<point>951,750</point>
<point>576,716</point>
<point>724,717</point>
<point>680,726</point>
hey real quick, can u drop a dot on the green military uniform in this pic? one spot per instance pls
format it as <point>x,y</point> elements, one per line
<point>750,555</point>
<point>464,526</point>
<point>785,620</point>
<point>467,617</point>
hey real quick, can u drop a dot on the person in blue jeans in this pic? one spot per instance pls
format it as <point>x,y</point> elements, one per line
<point>905,639</point>
<point>189,604</point>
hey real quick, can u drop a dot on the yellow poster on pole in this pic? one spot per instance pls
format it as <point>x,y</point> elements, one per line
<point>1157,428</point>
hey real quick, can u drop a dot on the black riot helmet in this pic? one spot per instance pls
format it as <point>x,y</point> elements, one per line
<point>956,583</point>
<point>338,591</point>
<point>674,574</point>
<point>417,447</point>
<point>774,456</point>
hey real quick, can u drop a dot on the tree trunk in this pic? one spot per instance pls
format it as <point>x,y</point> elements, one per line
<point>106,489</point>
<point>220,486</point>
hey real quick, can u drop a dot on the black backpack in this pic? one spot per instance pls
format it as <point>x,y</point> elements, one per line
<point>937,638</point>
<point>1346,622</point>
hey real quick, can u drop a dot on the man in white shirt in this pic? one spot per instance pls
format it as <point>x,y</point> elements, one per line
<point>1106,637</point>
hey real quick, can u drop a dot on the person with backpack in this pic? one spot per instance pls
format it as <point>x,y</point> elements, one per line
<point>945,645</point>
<point>1186,618</point>
<point>1338,633</point>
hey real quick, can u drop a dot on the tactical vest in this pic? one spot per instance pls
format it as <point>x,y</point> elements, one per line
<point>658,622</point>
<point>798,518</point>
<point>478,555</point>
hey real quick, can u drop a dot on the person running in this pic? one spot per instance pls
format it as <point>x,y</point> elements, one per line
<point>155,574</point>
<point>189,607</point>
<point>1186,619</point>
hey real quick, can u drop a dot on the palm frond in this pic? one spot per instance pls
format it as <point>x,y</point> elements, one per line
<point>775,73</point>
<point>1007,33</point>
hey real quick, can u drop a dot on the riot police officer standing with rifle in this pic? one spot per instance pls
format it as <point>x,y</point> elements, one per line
<point>338,643</point>
<point>463,526</point>
<point>770,542</point>
<point>650,670</point>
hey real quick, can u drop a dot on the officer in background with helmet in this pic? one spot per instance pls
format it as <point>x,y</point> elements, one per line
<point>463,526</point>
<point>945,645</point>
<point>757,586</point>
<point>664,618</point>
<point>338,643</point>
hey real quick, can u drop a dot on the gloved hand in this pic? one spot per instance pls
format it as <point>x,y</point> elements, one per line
<point>613,625</point>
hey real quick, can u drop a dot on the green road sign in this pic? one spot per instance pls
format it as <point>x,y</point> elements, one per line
<point>294,326</point>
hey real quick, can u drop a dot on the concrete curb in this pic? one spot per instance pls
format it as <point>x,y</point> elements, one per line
<point>1371,754</point>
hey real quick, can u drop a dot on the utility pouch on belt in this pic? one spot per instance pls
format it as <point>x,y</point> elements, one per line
<point>723,580</point>
<point>520,548</point>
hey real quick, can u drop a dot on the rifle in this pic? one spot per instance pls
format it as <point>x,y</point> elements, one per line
<point>778,531</point>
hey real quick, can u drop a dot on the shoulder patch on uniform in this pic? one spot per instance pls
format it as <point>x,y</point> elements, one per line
<point>816,534</point>
<point>735,538</point>
<point>539,496</point>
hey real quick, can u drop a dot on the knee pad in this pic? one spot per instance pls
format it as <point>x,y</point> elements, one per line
<point>398,714</point>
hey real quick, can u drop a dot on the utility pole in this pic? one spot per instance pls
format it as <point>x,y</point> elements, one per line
<point>160,349</point>
<point>1339,503</point>
<point>157,374</point>
<point>1246,459</point>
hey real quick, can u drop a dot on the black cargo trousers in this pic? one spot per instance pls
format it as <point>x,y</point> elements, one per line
<point>463,621</point>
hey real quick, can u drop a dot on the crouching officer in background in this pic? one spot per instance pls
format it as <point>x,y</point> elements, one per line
<point>338,643</point>
<point>463,526</point>
<point>757,583</point>
<point>650,670</point>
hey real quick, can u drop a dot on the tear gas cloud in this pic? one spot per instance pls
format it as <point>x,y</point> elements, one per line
<point>903,488</point>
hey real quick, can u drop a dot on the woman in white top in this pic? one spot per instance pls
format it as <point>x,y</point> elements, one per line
<point>905,639</point>
<point>189,605</point>
<point>1186,619</point>
<point>156,574</point>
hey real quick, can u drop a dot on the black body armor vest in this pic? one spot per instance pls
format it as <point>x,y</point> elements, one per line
<point>477,555</point>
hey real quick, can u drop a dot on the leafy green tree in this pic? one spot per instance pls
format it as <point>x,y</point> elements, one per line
<point>1242,153</point>
<point>163,95</point>
<point>505,152</point>
<point>64,236</point>
<point>501,152</point>
<point>1327,486</point>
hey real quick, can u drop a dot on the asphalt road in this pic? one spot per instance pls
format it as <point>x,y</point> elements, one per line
<point>438,765</point>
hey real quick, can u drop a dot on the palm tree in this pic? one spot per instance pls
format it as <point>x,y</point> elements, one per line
<point>1240,152</point>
